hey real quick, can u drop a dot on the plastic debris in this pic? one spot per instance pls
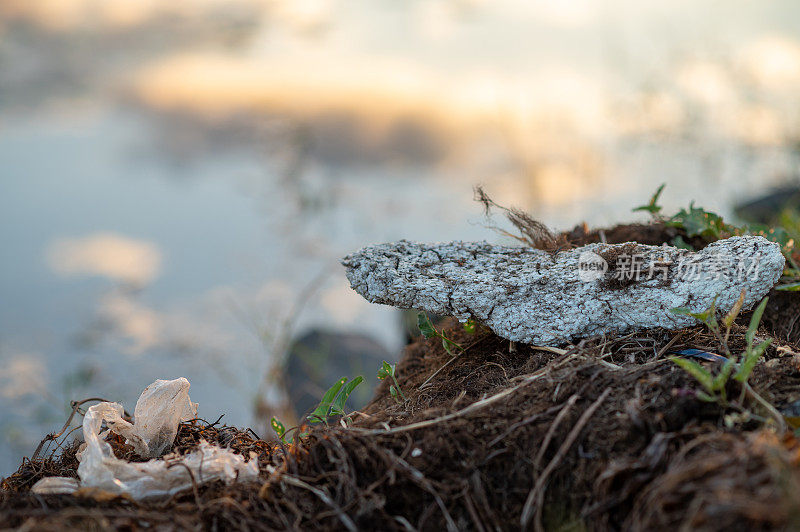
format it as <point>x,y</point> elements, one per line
<point>166,476</point>
<point>55,486</point>
<point>159,410</point>
<point>791,413</point>
<point>702,355</point>
<point>161,407</point>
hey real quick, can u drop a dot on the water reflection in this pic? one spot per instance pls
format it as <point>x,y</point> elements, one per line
<point>113,256</point>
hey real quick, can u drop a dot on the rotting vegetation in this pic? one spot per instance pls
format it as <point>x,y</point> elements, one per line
<point>605,434</point>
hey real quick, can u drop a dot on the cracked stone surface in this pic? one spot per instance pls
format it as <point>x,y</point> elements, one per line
<point>533,296</point>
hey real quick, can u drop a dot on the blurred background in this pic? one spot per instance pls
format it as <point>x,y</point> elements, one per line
<point>179,179</point>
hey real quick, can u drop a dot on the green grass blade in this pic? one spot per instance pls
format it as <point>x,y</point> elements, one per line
<point>681,311</point>
<point>425,326</point>
<point>697,371</point>
<point>754,321</point>
<point>278,427</point>
<point>721,379</point>
<point>731,316</point>
<point>386,370</point>
<point>341,399</point>
<point>321,412</point>
<point>652,207</point>
<point>750,360</point>
<point>703,396</point>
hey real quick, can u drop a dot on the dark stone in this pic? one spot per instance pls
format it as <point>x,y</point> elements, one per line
<point>766,209</point>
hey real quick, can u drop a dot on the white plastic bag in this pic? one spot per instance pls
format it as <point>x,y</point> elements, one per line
<point>166,476</point>
<point>158,412</point>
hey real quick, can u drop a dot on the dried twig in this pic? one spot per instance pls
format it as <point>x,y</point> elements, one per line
<point>536,496</point>
<point>420,479</point>
<point>526,421</point>
<point>53,436</point>
<point>552,430</point>
<point>446,364</point>
<point>532,232</point>
<point>343,517</point>
<point>474,407</point>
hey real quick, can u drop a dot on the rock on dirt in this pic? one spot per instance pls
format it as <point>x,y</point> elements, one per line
<point>543,297</point>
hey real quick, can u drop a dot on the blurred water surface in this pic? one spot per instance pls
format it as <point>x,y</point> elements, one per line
<point>179,180</point>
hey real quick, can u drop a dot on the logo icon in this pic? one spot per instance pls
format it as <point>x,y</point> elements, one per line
<point>591,266</point>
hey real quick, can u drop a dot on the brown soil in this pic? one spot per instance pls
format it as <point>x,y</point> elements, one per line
<point>653,234</point>
<point>609,436</point>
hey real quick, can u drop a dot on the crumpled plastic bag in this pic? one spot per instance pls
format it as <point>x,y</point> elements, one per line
<point>160,408</point>
<point>166,476</point>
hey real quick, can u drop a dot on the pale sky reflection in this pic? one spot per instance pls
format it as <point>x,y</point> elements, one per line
<point>110,255</point>
<point>21,375</point>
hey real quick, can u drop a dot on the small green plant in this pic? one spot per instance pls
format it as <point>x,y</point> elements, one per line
<point>279,429</point>
<point>714,385</point>
<point>470,326</point>
<point>333,401</point>
<point>653,207</point>
<point>680,243</point>
<point>332,404</point>
<point>429,331</point>
<point>752,353</point>
<point>698,222</point>
<point>388,370</point>
<point>740,367</point>
<point>790,287</point>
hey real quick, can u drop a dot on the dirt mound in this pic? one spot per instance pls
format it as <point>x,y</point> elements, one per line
<point>605,435</point>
